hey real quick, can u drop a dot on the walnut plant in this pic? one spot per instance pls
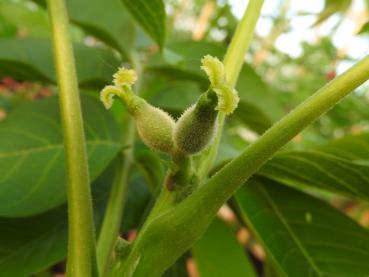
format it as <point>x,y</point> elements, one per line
<point>122,182</point>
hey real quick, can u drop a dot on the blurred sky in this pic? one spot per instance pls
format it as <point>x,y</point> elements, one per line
<point>302,17</point>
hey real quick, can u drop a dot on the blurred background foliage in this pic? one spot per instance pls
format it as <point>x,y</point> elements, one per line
<point>298,47</point>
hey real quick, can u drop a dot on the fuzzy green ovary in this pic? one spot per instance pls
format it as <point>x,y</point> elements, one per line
<point>196,128</point>
<point>155,127</point>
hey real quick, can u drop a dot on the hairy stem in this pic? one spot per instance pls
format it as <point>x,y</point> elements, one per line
<point>81,244</point>
<point>174,232</point>
<point>233,61</point>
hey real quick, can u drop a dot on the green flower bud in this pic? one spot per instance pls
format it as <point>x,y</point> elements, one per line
<point>196,127</point>
<point>154,126</point>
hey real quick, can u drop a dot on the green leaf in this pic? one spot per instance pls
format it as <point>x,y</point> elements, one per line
<point>253,117</point>
<point>341,166</point>
<point>364,29</point>
<point>150,166</point>
<point>178,269</point>
<point>164,92</point>
<point>107,20</point>
<point>219,254</point>
<point>303,236</point>
<point>150,14</point>
<point>31,23</point>
<point>332,7</point>
<point>31,154</point>
<point>40,241</point>
<point>137,202</point>
<point>31,59</point>
<point>350,147</point>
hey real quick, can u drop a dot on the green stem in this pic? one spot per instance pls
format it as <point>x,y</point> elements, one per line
<point>81,244</point>
<point>171,234</point>
<point>233,61</point>
<point>115,208</point>
<point>240,44</point>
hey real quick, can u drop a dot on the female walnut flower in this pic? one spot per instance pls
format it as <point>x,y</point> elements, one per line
<point>227,96</point>
<point>196,128</point>
<point>154,126</point>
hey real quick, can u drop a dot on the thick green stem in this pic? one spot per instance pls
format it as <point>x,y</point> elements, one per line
<point>115,208</point>
<point>81,244</point>
<point>171,234</point>
<point>233,61</point>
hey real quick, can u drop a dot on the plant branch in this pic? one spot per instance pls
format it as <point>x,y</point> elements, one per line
<point>81,244</point>
<point>233,61</point>
<point>172,233</point>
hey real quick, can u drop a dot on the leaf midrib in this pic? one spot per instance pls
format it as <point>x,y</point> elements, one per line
<point>54,146</point>
<point>289,230</point>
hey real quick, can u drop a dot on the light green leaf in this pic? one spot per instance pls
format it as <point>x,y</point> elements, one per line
<point>219,254</point>
<point>28,245</point>
<point>364,30</point>
<point>150,14</point>
<point>31,23</point>
<point>303,236</point>
<point>31,59</point>
<point>32,175</point>
<point>332,7</point>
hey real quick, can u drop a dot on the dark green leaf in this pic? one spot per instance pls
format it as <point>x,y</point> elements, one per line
<point>302,235</point>
<point>31,59</point>
<point>138,200</point>
<point>219,254</point>
<point>178,269</point>
<point>150,14</point>
<point>31,154</point>
<point>28,245</point>
<point>341,166</point>
<point>107,20</point>
<point>150,165</point>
